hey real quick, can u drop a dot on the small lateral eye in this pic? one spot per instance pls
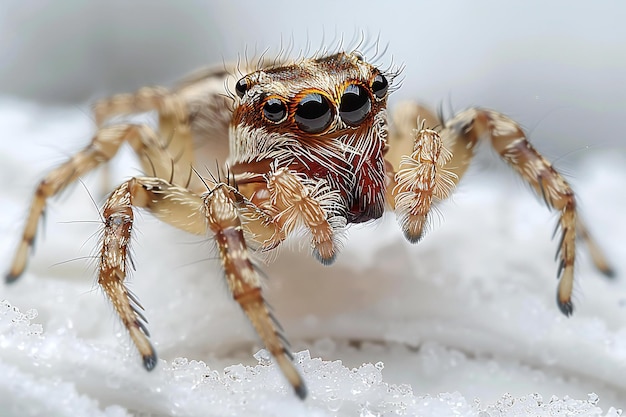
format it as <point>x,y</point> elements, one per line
<point>241,87</point>
<point>355,105</point>
<point>313,114</point>
<point>380,85</point>
<point>274,110</point>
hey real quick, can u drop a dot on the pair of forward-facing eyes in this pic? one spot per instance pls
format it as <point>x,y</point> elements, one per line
<point>314,112</point>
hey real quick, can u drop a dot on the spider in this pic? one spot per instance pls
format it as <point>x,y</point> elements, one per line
<point>310,148</point>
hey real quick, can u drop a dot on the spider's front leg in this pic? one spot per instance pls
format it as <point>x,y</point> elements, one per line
<point>174,205</point>
<point>223,219</point>
<point>440,160</point>
<point>218,212</point>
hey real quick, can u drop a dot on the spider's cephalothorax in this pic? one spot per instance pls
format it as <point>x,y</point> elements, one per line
<point>324,119</point>
<point>309,149</point>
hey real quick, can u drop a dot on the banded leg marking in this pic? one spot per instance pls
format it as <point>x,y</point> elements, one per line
<point>508,139</point>
<point>174,205</point>
<point>243,280</point>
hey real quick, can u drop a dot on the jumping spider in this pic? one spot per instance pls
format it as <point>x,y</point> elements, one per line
<point>310,148</point>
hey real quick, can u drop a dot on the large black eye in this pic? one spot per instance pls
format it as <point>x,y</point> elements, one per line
<point>274,110</point>
<point>313,114</point>
<point>355,105</point>
<point>380,86</point>
<point>241,87</point>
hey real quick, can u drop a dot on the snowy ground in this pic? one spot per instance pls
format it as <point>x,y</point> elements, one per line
<point>465,323</point>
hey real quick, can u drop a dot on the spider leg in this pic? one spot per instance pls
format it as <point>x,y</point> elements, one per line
<point>421,181</point>
<point>405,118</point>
<point>296,201</point>
<point>459,136</point>
<point>161,154</point>
<point>174,130</point>
<point>597,255</point>
<point>508,139</point>
<point>216,211</point>
<point>168,154</point>
<point>193,119</point>
<point>174,205</point>
<point>143,100</point>
<point>243,280</point>
<point>102,148</point>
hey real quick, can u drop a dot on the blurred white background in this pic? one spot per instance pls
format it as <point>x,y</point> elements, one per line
<point>557,67</point>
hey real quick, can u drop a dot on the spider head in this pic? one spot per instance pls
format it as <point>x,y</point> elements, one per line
<point>324,118</point>
<point>312,100</point>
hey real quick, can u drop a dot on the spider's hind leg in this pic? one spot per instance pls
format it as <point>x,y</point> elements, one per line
<point>167,153</point>
<point>174,130</point>
<point>104,146</point>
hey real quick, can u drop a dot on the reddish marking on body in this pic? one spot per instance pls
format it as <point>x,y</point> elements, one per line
<point>363,194</point>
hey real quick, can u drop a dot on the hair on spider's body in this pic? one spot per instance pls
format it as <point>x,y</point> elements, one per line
<point>308,148</point>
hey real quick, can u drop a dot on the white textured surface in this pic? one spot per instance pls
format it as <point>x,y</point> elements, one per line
<point>470,311</point>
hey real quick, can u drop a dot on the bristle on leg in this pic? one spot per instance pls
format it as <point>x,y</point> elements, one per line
<point>420,182</point>
<point>244,281</point>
